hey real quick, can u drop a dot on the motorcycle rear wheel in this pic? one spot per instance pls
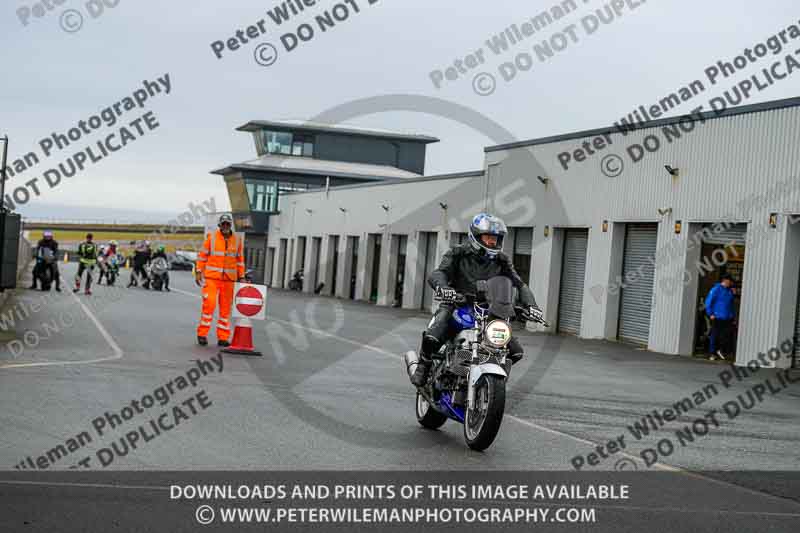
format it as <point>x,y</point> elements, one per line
<point>427,416</point>
<point>482,424</point>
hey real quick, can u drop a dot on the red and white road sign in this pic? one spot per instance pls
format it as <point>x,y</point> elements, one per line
<point>249,301</point>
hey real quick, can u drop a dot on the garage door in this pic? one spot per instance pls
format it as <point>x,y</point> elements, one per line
<point>457,238</point>
<point>636,299</point>
<point>573,273</point>
<point>735,233</point>
<point>521,252</point>
<point>427,245</point>
<point>270,266</point>
<point>796,362</point>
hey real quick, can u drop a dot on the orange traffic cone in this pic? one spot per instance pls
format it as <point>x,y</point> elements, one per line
<point>242,343</point>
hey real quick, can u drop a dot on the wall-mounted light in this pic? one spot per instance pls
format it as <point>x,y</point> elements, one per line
<point>385,207</point>
<point>674,172</point>
<point>605,226</point>
<point>547,231</point>
<point>678,227</point>
<point>544,180</point>
<point>664,211</point>
<point>343,210</point>
<point>773,220</point>
<point>443,205</point>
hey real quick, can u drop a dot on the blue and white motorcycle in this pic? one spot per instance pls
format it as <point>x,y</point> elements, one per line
<point>467,382</point>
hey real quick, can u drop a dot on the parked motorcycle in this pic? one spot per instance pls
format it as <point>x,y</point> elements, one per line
<point>467,382</point>
<point>296,283</point>
<point>158,272</point>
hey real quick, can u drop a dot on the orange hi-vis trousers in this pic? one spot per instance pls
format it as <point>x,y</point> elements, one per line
<point>215,289</point>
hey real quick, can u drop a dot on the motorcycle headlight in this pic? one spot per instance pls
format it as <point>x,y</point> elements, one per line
<point>498,333</point>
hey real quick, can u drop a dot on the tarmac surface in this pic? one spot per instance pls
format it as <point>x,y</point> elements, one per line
<point>330,394</point>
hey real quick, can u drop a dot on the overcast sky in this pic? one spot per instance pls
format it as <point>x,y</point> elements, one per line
<point>52,79</point>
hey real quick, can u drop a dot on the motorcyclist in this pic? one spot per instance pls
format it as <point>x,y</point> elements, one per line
<point>481,258</point>
<point>107,252</point>
<point>141,256</point>
<point>47,242</point>
<point>161,251</point>
<point>87,259</point>
<point>101,257</point>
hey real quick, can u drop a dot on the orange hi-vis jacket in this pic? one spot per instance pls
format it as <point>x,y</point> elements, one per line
<point>221,258</point>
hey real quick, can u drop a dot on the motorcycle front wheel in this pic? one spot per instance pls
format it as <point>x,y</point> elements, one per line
<point>427,416</point>
<point>482,424</point>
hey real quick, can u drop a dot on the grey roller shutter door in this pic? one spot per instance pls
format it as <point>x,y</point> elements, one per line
<point>636,299</point>
<point>523,242</point>
<point>270,266</point>
<point>573,273</point>
<point>735,233</point>
<point>796,361</point>
<point>429,240</point>
<point>457,238</point>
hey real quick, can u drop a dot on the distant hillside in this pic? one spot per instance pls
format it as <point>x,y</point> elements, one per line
<point>107,214</point>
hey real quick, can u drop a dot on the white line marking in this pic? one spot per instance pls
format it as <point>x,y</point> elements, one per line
<point>187,293</point>
<point>109,339</point>
<point>657,466</point>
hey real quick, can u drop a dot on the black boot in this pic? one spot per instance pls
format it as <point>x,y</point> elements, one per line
<point>420,376</point>
<point>202,341</point>
<point>224,344</point>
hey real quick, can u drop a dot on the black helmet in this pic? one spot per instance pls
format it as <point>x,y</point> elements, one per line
<point>484,224</point>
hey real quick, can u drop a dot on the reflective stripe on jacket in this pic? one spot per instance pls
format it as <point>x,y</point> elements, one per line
<point>221,258</point>
<point>87,253</point>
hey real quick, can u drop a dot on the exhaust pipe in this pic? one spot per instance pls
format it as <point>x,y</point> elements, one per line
<point>411,359</point>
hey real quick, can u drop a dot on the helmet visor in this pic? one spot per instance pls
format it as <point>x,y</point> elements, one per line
<point>491,226</point>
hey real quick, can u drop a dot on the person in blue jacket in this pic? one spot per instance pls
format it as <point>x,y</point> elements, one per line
<point>719,308</point>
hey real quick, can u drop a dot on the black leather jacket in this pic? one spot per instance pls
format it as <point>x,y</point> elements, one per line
<point>462,267</point>
<point>44,243</point>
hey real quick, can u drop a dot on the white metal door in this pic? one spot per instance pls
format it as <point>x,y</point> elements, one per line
<point>636,298</point>
<point>428,244</point>
<point>573,274</point>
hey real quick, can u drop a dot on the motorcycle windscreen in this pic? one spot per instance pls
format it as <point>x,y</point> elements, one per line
<point>500,296</point>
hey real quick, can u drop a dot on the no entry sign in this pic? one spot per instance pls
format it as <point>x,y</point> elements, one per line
<point>249,301</point>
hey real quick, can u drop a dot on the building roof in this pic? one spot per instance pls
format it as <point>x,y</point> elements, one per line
<point>708,115</point>
<point>343,129</point>
<point>319,167</point>
<point>470,174</point>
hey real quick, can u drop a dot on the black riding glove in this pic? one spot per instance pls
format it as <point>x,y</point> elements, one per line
<point>536,314</point>
<point>446,294</point>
